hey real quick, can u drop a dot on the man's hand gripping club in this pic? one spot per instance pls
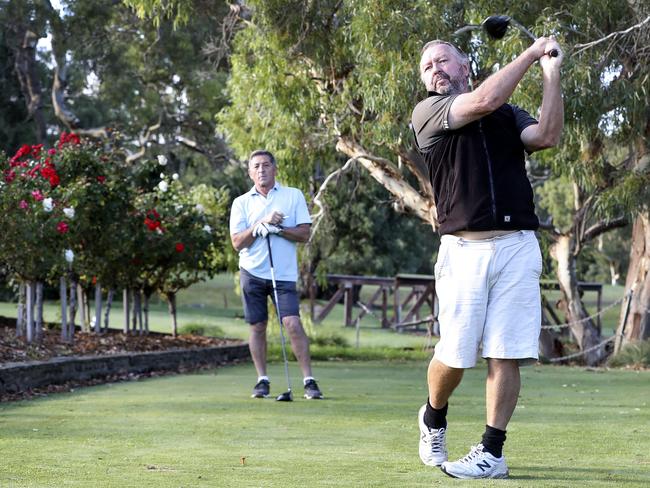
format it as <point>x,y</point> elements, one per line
<point>270,224</point>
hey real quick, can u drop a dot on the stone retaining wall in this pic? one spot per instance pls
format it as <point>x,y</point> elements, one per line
<point>19,377</point>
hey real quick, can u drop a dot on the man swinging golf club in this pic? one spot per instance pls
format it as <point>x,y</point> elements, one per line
<point>271,218</point>
<point>489,262</point>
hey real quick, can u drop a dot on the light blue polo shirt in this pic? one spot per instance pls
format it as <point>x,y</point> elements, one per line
<point>251,207</point>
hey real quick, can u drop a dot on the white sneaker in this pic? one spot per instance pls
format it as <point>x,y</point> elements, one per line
<point>477,464</point>
<point>433,446</point>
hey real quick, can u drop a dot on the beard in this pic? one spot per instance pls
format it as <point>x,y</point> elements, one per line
<point>456,84</point>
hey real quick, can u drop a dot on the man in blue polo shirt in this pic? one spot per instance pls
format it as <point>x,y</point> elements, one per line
<point>280,212</point>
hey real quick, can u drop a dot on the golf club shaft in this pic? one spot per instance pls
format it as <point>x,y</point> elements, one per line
<point>553,53</point>
<point>277,311</point>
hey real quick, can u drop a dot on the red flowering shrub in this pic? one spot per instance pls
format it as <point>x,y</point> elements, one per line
<point>62,227</point>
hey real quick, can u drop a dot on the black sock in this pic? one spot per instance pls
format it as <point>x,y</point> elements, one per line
<point>435,418</point>
<point>493,440</point>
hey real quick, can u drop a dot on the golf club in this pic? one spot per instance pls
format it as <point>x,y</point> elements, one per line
<point>286,396</point>
<point>496,27</point>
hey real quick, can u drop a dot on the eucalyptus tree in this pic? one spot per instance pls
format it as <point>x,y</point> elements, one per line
<point>93,67</point>
<point>604,154</point>
<point>315,80</point>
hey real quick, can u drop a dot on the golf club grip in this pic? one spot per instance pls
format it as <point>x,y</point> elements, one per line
<point>554,53</point>
<point>268,244</point>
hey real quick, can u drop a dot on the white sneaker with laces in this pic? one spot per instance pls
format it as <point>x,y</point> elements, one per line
<point>477,464</point>
<point>433,446</point>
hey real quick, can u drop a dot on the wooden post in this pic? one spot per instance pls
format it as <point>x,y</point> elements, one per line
<point>397,310</point>
<point>347,301</point>
<point>384,307</point>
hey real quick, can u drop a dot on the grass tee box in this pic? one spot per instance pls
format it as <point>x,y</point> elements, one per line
<point>572,428</point>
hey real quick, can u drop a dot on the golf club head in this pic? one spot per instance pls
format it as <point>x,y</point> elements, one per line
<point>285,397</point>
<point>496,26</point>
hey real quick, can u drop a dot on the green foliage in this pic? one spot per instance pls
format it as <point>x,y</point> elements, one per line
<point>327,339</point>
<point>179,11</point>
<point>202,330</point>
<point>634,355</point>
<point>14,126</point>
<point>556,199</point>
<point>123,74</point>
<point>362,234</point>
<point>182,235</point>
<point>304,75</point>
<point>327,352</point>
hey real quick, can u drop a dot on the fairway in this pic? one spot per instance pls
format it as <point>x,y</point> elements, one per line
<point>572,428</point>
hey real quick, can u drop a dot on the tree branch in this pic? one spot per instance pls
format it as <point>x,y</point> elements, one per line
<point>584,47</point>
<point>602,227</point>
<point>386,173</point>
<point>318,217</point>
<point>143,142</point>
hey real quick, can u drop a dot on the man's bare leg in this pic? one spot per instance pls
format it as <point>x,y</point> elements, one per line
<point>432,417</point>
<point>257,346</point>
<point>501,391</point>
<point>299,343</point>
<point>442,381</point>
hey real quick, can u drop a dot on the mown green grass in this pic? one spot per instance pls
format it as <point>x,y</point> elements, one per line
<point>572,428</point>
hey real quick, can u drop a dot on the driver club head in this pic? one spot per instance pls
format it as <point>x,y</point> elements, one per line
<point>285,397</point>
<point>496,26</point>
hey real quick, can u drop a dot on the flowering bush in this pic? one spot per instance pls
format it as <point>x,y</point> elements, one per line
<point>81,208</point>
<point>35,228</point>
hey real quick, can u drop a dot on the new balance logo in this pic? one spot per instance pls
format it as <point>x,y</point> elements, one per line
<point>483,465</point>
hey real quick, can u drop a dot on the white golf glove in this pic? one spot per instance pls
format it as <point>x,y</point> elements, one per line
<point>263,229</point>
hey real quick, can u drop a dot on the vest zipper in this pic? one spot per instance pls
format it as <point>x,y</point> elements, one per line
<point>489,165</point>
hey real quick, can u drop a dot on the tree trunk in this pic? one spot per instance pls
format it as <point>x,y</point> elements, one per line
<point>137,311</point>
<point>38,323</point>
<point>582,328</point>
<point>20,319</point>
<point>81,300</point>
<point>73,308</point>
<point>98,307</point>
<point>27,71</point>
<point>145,311</point>
<point>135,302</point>
<point>126,305</point>
<point>63,292</point>
<point>171,302</point>
<point>109,304</point>
<point>29,315</point>
<point>636,326</point>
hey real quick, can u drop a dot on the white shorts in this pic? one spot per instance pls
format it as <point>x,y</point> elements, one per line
<point>489,298</point>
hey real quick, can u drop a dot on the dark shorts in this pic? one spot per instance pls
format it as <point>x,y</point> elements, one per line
<point>254,293</point>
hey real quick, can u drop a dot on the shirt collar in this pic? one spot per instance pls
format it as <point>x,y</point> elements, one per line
<point>253,191</point>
